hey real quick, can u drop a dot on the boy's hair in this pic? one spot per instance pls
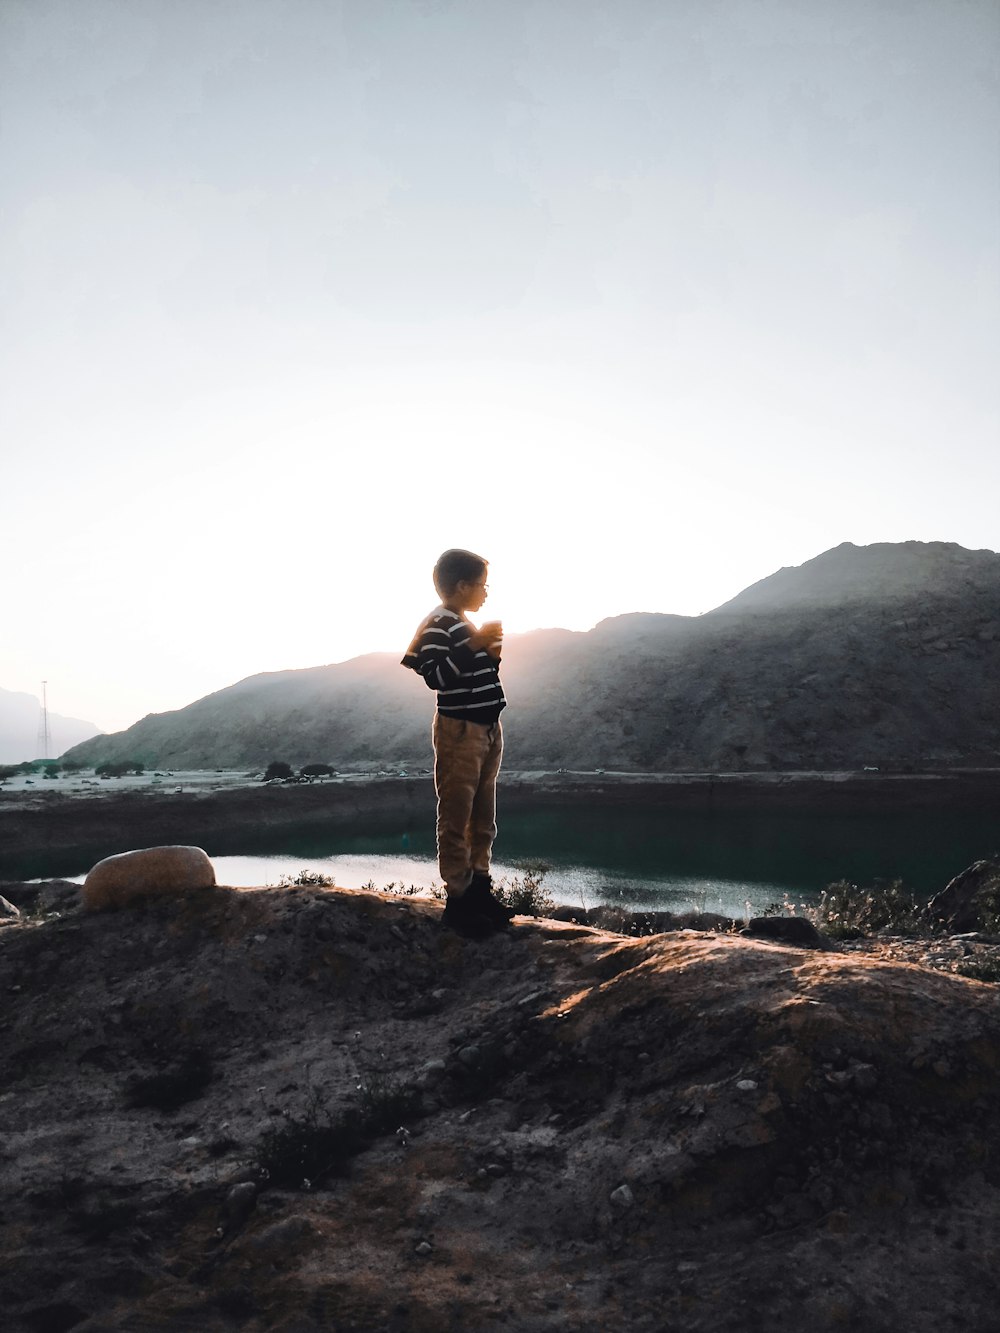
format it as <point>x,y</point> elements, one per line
<point>457,566</point>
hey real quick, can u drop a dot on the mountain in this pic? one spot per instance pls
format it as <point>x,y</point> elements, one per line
<point>19,719</point>
<point>884,655</point>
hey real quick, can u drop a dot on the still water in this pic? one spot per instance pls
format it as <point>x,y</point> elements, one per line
<point>638,857</point>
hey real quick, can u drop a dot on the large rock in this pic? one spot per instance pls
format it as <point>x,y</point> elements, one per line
<point>151,872</point>
<point>971,901</point>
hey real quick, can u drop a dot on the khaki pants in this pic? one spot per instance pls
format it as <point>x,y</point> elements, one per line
<point>466,762</point>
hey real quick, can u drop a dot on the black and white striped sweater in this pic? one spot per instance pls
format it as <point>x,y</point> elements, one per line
<point>467,680</point>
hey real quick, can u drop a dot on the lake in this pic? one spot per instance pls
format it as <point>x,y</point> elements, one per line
<point>644,857</point>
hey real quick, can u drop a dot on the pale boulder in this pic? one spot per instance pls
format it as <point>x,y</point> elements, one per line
<point>152,872</point>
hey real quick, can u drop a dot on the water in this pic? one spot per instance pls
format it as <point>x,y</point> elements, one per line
<point>641,857</point>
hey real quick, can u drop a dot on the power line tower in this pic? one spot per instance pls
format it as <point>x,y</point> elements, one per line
<point>44,738</point>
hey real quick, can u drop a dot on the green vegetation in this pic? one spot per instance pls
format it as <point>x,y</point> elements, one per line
<point>174,1086</point>
<point>302,1151</point>
<point>980,969</point>
<point>317,771</point>
<point>307,879</point>
<point>277,768</point>
<point>524,892</point>
<point>848,910</point>
<point>117,768</point>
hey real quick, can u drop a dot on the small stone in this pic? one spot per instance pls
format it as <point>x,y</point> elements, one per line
<point>8,909</point>
<point>424,1248</point>
<point>746,1085</point>
<point>240,1202</point>
<point>622,1197</point>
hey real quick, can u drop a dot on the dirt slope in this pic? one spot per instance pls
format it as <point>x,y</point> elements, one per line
<point>562,1129</point>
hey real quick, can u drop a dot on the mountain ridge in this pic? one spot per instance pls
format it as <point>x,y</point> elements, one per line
<point>887,655</point>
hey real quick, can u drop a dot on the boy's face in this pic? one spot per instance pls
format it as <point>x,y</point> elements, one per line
<point>471,596</point>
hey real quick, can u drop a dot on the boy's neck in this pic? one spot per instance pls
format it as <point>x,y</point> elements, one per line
<point>451,606</point>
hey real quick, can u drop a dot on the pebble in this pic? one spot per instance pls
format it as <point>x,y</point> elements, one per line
<point>423,1248</point>
<point>622,1197</point>
<point>746,1085</point>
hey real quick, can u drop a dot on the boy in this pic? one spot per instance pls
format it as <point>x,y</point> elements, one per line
<point>462,664</point>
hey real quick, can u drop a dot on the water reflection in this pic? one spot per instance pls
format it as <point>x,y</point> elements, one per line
<point>640,857</point>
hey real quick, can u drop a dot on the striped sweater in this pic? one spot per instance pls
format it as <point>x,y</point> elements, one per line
<point>467,680</point>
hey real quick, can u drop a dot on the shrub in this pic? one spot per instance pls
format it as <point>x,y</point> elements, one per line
<point>986,968</point>
<point>299,1153</point>
<point>302,1151</point>
<point>307,879</point>
<point>116,768</point>
<point>848,909</point>
<point>172,1087</point>
<point>524,892</point>
<point>316,771</point>
<point>277,768</point>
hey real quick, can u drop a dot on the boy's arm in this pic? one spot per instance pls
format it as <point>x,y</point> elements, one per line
<point>441,653</point>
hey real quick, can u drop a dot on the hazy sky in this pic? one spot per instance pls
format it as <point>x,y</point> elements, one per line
<point>642,299</point>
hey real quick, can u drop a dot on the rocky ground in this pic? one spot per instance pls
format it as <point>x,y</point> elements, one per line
<point>307,1109</point>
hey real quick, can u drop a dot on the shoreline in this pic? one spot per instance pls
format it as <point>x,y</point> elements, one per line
<point>44,831</point>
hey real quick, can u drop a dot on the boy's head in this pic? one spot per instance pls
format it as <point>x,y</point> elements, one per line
<point>460,578</point>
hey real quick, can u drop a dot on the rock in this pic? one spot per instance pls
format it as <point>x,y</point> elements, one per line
<point>240,1203</point>
<point>787,930</point>
<point>284,1237</point>
<point>423,1249</point>
<point>152,872</point>
<point>8,911</point>
<point>971,901</point>
<point>622,1197</point>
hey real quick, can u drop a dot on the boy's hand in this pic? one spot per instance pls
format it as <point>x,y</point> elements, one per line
<point>489,637</point>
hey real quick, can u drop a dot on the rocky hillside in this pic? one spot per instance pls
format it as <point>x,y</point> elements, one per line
<point>314,1109</point>
<point>886,655</point>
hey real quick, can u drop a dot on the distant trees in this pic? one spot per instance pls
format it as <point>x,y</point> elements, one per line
<point>278,769</point>
<point>116,768</point>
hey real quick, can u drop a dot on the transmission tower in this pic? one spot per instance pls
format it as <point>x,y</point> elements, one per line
<point>44,739</point>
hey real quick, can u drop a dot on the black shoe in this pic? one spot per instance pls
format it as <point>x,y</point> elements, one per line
<point>480,891</point>
<point>463,916</point>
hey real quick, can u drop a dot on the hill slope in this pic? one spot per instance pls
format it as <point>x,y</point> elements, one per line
<point>883,655</point>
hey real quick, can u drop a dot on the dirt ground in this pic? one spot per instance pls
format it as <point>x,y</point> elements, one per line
<point>555,1129</point>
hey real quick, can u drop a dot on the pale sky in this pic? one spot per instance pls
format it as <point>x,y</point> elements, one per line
<point>642,300</point>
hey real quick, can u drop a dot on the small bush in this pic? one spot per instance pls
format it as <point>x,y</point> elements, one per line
<point>385,1102</point>
<point>846,909</point>
<point>405,890</point>
<point>985,968</point>
<point>307,879</point>
<point>524,892</point>
<point>277,768</point>
<point>174,1086</point>
<point>300,1152</point>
